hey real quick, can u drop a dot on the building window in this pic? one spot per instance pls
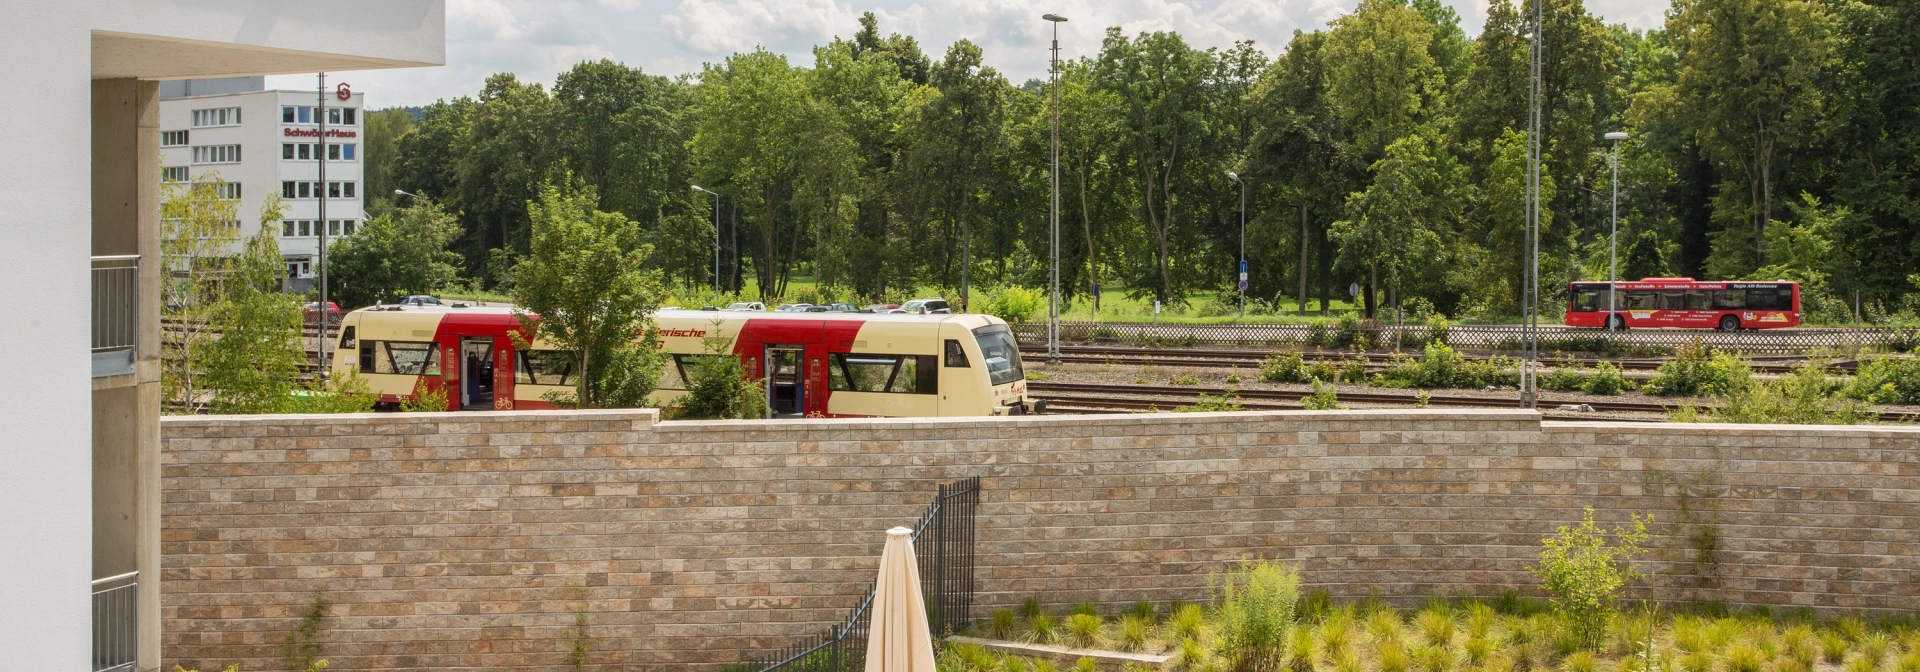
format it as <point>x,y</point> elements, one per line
<point>286,228</point>
<point>348,151</point>
<point>216,154</point>
<point>306,228</point>
<point>229,190</point>
<point>174,173</point>
<point>350,226</point>
<point>304,114</point>
<point>223,116</point>
<point>173,138</point>
<point>333,152</point>
<point>348,115</point>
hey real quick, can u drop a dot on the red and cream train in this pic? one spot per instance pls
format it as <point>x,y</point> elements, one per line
<point>812,364</point>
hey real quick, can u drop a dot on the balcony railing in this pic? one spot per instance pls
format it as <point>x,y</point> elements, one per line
<point>116,622</point>
<point>116,313</point>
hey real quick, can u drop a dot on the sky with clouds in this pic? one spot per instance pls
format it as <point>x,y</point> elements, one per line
<point>537,39</point>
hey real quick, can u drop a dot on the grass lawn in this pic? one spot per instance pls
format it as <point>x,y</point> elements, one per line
<point>1510,634</point>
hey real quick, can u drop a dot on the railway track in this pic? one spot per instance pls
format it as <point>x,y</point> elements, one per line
<point>1228,358</point>
<point>1105,398</point>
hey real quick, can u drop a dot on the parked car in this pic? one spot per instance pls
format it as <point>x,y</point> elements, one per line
<point>880,308</point>
<point>793,308</point>
<point>313,312</point>
<point>746,306</point>
<point>842,308</point>
<point>925,307</point>
<point>417,300</point>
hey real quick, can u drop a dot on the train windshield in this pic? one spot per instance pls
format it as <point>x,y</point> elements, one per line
<point>1001,352</point>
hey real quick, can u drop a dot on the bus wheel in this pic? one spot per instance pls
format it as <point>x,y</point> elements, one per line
<point>1729,323</point>
<point>1617,323</point>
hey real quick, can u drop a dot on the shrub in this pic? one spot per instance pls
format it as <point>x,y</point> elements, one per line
<point>1083,630</point>
<point>1436,627</point>
<point>1802,397</point>
<point>1187,620</point>
<point>1437,330</point>
<point>1353,370</point>
<point>1088,608</point>
<point>1875,647</point>
<point>1438,366</point>
<point>1391,656</point>
<point>1284,367</point>
<point>1257,601</point>
<point>1333,632</point>
<point>1698,371</point>
<point>1233,378</point>
<point>1584,574</point>
<point>1192,654</point>
<point>1042,629</point>
<point>1605,380</point>
<point>1014,303</point>
<point>1886,380</point>
<point>425,400</point>
<point>1188,380</point>
<point>1744,657</point>
<point>1208,403</point>
<point>1697,661</point>
<point>1833,646</point>
<point>1434,658</point>
<point>1322,399</point>
<point>1134,631</point>
<point>718,389</point>
<point>1581,661</point>
<point>1316,605</point>
<point>1000,626</point>
<point>1565,377</point>
<point>1030,608</point>
<point>1478,648</point>
<point>1300,649</point>
<point>1496,371</point>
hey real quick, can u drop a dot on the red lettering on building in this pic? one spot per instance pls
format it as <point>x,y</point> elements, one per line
<point>314,133</point>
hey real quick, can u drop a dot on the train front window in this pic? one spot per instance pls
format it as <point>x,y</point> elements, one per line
<point>405,358</point>
<point>1000,351</point>
<point>898,374</point>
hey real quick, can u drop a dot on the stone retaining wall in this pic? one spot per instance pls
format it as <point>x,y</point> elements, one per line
<point>474,540</point>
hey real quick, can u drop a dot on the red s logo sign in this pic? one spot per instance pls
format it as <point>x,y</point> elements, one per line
<point>343,91</point>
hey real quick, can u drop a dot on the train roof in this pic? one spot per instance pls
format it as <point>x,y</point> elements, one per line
<point>695,314</point>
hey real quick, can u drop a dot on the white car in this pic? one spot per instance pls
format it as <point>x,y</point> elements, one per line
<point>925,307</point>
<point>793,308</point>
<point>747,307</point>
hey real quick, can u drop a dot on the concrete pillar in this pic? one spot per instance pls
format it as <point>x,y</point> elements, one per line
<point>126,409</point>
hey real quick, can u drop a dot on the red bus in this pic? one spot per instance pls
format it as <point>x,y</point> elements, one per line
<point>1684,303</point>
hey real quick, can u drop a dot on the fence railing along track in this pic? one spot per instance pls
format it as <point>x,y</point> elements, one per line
<point>943,545</point>
<point>1489,337</point>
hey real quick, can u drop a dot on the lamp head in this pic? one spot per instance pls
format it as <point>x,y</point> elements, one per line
<point>1233,176</point>
<point>1056,18</point>
<point>1616,136</point>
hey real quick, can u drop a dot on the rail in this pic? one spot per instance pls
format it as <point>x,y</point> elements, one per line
<point>1492,337</point>
<point>946,583</point>
<point>116,313</point>
<point>116,622</point>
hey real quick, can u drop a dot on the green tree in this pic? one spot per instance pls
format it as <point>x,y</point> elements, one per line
<point>397,253</point>
<point>1873,147</point>
<point>1584,574</point>
<point>380,152</point>
<point>1505,209</point>
<point>252,366</point>
<point>1748,70</point>
<point>954,135</point>
<point>198,230</point>
<point>506,154</point>
<point>1303,148</point>
<point>1383,81</point>
<point>1395,227</point>
<point>586,280</point>
<point>1643,258</point>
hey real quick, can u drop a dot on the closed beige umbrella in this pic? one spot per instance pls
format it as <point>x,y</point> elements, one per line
<point>898,639</point>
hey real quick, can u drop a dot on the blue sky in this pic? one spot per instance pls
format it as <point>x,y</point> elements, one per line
<point>537,39</point>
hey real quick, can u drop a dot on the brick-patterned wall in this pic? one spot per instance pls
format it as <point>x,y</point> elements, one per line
<point>472,540</point>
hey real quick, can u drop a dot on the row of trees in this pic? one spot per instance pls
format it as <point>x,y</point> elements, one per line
<point>1770,138</point>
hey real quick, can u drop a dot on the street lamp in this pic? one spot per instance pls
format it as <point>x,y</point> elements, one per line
<point>716,237</point>
<point>1243,241</point>
<point>1613,252</point>
<point>320,187</point>
<point>398,192</point>
<point>1053,296</point>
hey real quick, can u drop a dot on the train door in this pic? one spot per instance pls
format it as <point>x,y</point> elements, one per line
<point>450,375</point>
<point>815,389</point>
<point>503,380</point>
<point>476,369</point>
<point>786,393</point>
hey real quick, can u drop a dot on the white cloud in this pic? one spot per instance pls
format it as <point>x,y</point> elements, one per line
<point>728,26</point>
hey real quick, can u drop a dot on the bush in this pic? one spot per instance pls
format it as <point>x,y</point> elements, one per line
<point>1257,601</point>
<point>1584,574</point>
<point>1438,366</point>
<point>1606,380</point>
<point>1803,397</point>
<point>425,400</point>
<point>1213,404</point>
<point>1322,399</point>
<point>1015,304</point>
<point>1083,630</point>
<point>1284,367</point>
<point>1886,380</point>
<point>1698,371</point>
<point>718,389</point>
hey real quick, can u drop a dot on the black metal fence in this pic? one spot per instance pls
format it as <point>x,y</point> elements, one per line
<point>943,543</point>
<point>1491,337</point>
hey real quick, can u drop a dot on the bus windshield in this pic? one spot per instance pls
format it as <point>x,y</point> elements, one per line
<point>1001,352</point>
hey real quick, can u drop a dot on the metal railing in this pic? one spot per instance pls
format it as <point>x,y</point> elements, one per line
<point>1495,337</point>
<point>943,544</point>
<point>116,313</point>
<point>116,622</point>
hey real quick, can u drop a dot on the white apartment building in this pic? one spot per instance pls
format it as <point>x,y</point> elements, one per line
<point>267,142</point>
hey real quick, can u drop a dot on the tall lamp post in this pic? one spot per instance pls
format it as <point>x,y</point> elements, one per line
<point>1243,240</point>
<point>716,237</point>
<point>1053,217</point>
<point>1530,293</point>
<point>320,189</point>
<point>1613,244</point>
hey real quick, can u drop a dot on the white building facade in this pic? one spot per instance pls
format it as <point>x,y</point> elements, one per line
<point>263,143</point>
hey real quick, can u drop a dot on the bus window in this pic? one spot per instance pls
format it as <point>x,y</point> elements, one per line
<point>1697,300</point>
<point>544,367</point>
<point>404,358</point>
<point>1584,301</point>
<point>1001,352</point>
<point>1642,300</point>
<point>1730,299</point>
<point>956,355</point>
<point>1764,299</point>
<point>1673,300</point>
